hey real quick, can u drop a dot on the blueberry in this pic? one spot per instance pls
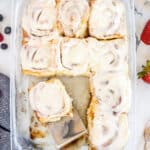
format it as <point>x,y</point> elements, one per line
<point>4,46</point>
<point>1,17</point>
<point>7,30</point>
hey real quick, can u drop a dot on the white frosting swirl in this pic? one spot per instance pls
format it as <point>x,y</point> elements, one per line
<point>112,89</point>
<point>39,17</point>
<point>50,99</point>
<point>74,56</point>
<point>108,132</point>
<point>107,18</point>
<point>108,55</point>
<point>38,56</point>
<point>73,16</point>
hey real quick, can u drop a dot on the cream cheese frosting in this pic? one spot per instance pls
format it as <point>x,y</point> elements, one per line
<point>50,99</point>
<point>108,132</point>
<point>105,63</point>
<point>73,17</point>
<point>108,55</point>
<point>107,19</point>
<point>39,17</point>
<point>112,89</point>
<point>38,56</point>
<point>74,56</point>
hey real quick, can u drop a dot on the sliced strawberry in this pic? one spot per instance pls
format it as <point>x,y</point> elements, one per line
<point>145,36</point>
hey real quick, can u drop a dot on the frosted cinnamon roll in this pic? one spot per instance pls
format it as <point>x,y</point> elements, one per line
<point>74,56</point>
<point>112,89</point>
<point>107,19</point>
<point>50,101</point>
<point>39,17</point>
<point>106,131</point>
<point>73,17</point>
<point>108,55</point>
<point>39,58</point>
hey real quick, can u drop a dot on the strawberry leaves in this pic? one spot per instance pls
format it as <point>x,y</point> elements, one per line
<point>145,71</point>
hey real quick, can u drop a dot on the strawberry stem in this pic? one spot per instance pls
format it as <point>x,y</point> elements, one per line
<point>145,71</point>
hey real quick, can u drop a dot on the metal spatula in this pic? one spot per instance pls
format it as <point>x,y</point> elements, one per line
<point>67,130</point>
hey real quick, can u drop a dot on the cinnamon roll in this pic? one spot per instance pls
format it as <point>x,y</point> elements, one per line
<point>108,55</point>
<point>50,101</point>
<point>112,89</point>
<point>39,58</point>
<point>39,18</point>
<point>73,17</point>
<point>107,19</point>
<point>107,131</point>
<point>74,56</point>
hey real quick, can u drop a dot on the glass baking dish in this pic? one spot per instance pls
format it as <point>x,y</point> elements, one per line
<point>19,115</point>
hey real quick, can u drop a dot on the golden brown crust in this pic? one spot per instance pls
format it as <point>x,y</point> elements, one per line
<point>92,148</point>
<point>90,117</point>
<point>91,2</point>
<point>83,30</point>
<point>58,26</point>
<point>110,37</point>
<point>90,112</point>
<point>25,36</point>
<point>38,73</point>
<point>58,23</point>
<point>50,74</point>
<point>35,133</point>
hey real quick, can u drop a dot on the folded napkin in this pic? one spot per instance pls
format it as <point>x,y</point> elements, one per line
<point>4,113</point>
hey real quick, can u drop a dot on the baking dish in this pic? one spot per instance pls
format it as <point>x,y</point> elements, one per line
<point>19,107</point>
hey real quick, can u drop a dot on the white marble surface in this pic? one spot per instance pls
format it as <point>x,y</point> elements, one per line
<point>142,14</point>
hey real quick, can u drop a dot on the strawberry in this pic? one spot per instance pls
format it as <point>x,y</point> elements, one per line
<point>145,73</point>
<point>145,36</point>
<point>146,78</point>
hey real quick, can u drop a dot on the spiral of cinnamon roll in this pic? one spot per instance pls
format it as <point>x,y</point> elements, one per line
<point>106,131</point>
<point>74,56</point>
<point>112,89</point>
<point>73,17</point>
<point>50,101</point>
<point>39,17</point>
<point>107,19</point>
<point>108,55</point>
<point>38,57</point>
